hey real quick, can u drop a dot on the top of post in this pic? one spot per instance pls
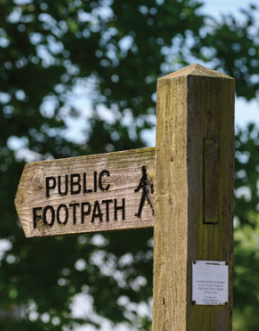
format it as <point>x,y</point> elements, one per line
<point>196,70</point>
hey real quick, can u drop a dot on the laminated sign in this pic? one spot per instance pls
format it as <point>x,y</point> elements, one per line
<point>209,283</point>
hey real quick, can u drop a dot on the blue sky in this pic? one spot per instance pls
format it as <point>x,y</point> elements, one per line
<point>218,7</point>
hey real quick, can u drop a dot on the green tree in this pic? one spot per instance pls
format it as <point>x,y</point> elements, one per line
<point>118,48</point>
<point>246,223</point>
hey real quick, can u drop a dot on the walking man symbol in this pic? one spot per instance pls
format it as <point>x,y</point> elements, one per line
<point>147,187</point>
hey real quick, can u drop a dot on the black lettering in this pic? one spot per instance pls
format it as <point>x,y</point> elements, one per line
<point>83,212</point>
<point>36,217</point>
<point>59,185</point>
<point>104,172</point>
<point>107,202</point>
<point>66,214</point>
<point>48,186</point>
<point>74,205</point>
<point>95,181</point>
<point>45,210</point>
<point>116,208</point>
<point>84,184</point>
<point>75,181</point>
<point>97,212</point>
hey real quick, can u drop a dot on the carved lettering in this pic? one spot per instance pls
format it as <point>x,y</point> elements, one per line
<point>77,183</point>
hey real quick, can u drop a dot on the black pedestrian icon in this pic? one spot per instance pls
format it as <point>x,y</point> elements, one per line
<point>147,188</point>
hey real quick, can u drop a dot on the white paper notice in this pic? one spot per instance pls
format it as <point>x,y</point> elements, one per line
<point>209,283</point>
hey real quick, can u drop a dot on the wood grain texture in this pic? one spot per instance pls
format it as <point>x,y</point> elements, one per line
<point>122,177</point>
<point>211,181</point>
<point>194,104</point>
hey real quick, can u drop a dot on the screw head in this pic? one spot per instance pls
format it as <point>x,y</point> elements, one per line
<point>194,302</point>
<point>226,303</point>
<point>194,262</point>
<point>171,158</point>
<point>226,263</point>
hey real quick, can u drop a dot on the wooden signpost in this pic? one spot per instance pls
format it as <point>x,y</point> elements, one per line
<point>183,188</point>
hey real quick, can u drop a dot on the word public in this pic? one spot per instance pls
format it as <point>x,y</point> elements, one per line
<point>75,184</point>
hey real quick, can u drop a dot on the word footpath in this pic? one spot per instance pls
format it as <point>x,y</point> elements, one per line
<point>87,194</point>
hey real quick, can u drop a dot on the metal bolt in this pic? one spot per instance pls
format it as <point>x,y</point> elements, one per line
<point>226,303</point>
<point>194,302</point>
<point>226,263</point>
<point>194,262</point>
<point>171,158</point>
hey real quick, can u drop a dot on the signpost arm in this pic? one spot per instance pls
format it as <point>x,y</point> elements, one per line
<point>194,194</point>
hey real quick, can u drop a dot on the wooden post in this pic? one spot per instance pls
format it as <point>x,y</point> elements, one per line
<point>194,194</point>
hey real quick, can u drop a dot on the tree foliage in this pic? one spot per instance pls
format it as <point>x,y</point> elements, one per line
<point>115,50</point>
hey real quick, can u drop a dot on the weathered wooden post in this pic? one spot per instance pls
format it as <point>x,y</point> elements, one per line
<point>194,200</point>
<point>193,206</point>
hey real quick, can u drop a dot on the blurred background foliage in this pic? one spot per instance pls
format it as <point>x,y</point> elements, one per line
<point>79,77</point>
